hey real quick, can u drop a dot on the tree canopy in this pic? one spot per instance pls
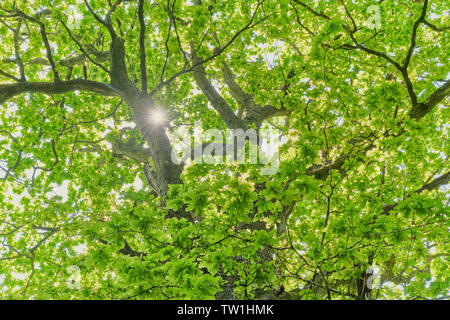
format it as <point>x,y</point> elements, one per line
<point>92,205</point>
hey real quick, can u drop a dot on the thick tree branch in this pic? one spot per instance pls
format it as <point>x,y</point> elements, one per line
<point>436,183</point>
<point>142,55</point>
<point>8,91</point>
<point>216,100</point>
<point>421,109</point>
<point>412,45</point>
<point>241,97</point>
<point>254,112</point>
<point>131,150</point>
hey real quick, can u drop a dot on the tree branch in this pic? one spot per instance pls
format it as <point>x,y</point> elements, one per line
<point>8,91</point>
<point>17,54</point>
<point>420,20</point>
<point>436,183</point>
<point>216,100</point>
<point>316,13</point>
<point>421,109</point>
<point>142,47</point>
<point>213,56</point>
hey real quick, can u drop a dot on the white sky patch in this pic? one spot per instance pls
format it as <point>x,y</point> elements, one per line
<point>15,198</point>
<point>80,249</point>
<point>11,110</point>
<point>19,275</point>
<point>109,122</point>
<point>60,190</point>
<point>18,236</point>
<point>137,184</point>
<point>127,124</point>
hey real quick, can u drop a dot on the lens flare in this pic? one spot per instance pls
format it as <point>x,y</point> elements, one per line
<point>157,116</point>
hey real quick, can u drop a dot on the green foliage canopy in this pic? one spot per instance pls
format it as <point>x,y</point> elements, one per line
<point>92,207</point>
